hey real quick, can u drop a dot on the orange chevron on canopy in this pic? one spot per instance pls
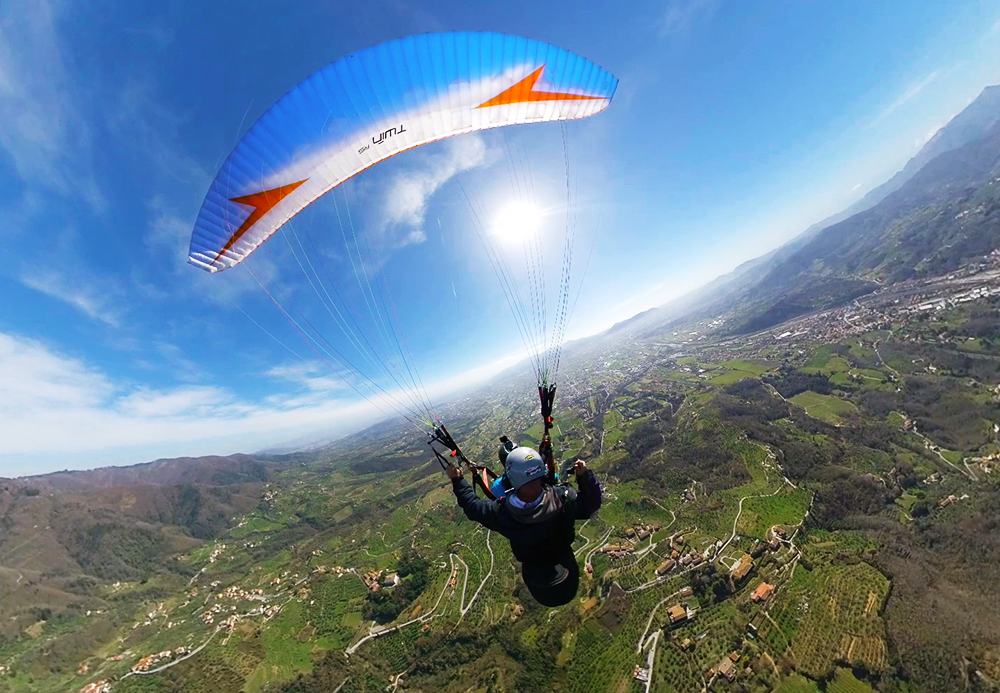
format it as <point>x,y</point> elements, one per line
<point>262,203</point>
<point>524,92</point>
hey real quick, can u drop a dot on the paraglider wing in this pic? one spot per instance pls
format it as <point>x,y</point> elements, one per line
<point>370,105</point>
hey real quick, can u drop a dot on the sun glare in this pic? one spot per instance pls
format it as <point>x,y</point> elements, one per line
<point>517,222</point>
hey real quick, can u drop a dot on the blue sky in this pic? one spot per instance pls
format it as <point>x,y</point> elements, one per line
<point>736,126</point>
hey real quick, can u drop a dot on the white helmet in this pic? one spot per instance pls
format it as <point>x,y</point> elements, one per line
<point>524,465</point>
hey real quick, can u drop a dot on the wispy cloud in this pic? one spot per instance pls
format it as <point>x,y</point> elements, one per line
<point>100,302</point>
<point>682,14</point>
<point>55,405</point>
<point>182,368</point>
<point>40,124</point>
<point>33,378</point>
<point>315,377</point>
<point>60,412</point>
<point>152,130</point>
<point>159,35</point>
<point>994,30</point>
<point>929,134</point>
<point>408,192</point>
<point>911,93</point>
<point>167,238</point>
<point>856,187</point>
<point>184,401</point>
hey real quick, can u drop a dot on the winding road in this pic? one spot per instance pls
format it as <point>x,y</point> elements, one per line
<point>463,607</point>
<point>173,662</point>
<point>598,547</point>
<point>649,621</point>
<point>736,521</point>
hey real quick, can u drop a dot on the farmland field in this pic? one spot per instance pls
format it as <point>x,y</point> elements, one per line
<point>824,407</point>
<point>832,614</point>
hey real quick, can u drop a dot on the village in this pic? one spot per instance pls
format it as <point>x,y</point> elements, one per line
<point>224,613</point>
<point>879,310</point>
<point>683,609</point>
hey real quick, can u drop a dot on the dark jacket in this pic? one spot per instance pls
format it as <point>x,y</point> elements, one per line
<point>539,533</point>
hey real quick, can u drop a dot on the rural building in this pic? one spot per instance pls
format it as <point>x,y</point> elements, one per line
<point>391,580</point>
<point>677,613</point>
<point>741,569</point>
<point>665,567</point>
<point>686,591</point>
<point>727,668</point>
<point>762,592</point>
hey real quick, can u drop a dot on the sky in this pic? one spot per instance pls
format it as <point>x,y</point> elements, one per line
<point>735,126</point>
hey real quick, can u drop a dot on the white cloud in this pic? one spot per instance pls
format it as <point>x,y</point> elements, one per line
<point>930,133</point>
<point>168,237</point>
<point>57,412</point>
<point>994,30</point>
<point>32,378</point>
<point>97,300</point>
<point>682,14</point>
<point>153,131</point>
<point>856,187</point>
<point>911,92</point>
<point>190,401</point>
<point>41,127</point>
<point>312,376</point>
<point>158,35</point>
<point>56,407</point>
<point>407,194</point>
<point>472,376</point>
<point>181,367</point>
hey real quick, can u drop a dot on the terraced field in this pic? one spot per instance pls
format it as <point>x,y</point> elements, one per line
<point>829,615</point>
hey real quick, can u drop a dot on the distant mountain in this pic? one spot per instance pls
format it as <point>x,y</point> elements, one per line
<point>211,470</point>
<point>773,286</point>
<point>945,216</point>
<point>969,125</point>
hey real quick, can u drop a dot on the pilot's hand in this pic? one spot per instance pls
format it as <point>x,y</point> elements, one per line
<point>453,472</point>
<point>580,468</point>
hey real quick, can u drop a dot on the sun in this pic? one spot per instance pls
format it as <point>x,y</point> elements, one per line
<point>517,222</point>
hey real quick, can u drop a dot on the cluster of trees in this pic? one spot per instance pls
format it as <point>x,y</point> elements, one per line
<point>848,497</point>
<point>949,560</point>
<point>710,585</point>
<point>790,382</point>
<point>685,450</point>
<point>385,605</point>
<point>644,439</point>
<point>114,551</point>
<point>984,323</point>
<point>200,514</point>
<point>940,408</point>
<point>749,398</point>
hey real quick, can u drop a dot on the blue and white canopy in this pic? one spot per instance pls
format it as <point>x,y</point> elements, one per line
<point>368,106</point>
